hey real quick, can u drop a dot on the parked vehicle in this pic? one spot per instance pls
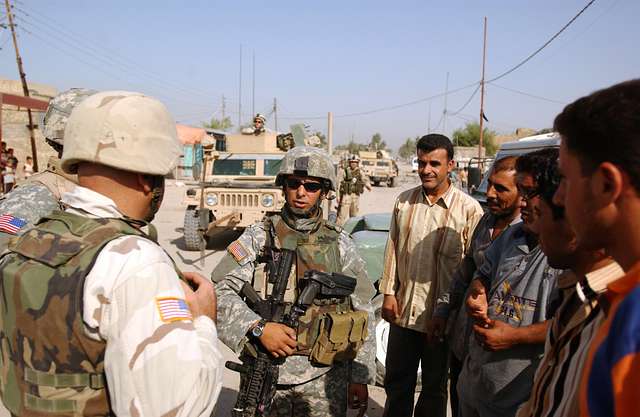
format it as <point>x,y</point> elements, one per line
<point>379,167</point>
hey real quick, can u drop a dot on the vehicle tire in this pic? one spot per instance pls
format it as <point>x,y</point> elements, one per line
<point>392,182</point>
<point>376,183</point>
<point>192,237</point>
<point>382,338</point>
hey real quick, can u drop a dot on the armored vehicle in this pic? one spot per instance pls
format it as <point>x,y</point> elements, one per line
<point>379,167</point>
<point>237,183</point>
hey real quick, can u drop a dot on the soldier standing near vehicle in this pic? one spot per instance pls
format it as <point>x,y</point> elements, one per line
<point>308,385</point>
<point>40,194</point>
<point>258,126</point>
<point>95,320</point>
<point>352,184</point>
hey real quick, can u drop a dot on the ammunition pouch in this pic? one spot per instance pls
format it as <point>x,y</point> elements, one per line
<point>340,337</point>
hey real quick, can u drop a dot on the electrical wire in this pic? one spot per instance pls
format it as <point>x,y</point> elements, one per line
<point>467,102</point>
<point>534,53</point>
<point>513,90</point>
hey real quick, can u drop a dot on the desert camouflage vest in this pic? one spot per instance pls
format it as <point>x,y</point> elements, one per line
<point>49,366</point>
<point>315,250</point>
<point>352,182</point>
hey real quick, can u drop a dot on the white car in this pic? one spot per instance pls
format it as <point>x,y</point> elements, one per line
<point>414,164</point>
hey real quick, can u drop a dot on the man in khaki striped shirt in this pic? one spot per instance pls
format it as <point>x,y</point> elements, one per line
<point>431,230</point>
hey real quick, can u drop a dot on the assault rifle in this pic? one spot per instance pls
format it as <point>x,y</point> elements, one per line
<point>259,369</point>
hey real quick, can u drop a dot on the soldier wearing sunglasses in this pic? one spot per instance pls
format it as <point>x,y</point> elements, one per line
<point>308,384</point>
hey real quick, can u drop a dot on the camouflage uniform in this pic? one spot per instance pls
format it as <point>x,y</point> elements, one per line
<point>40,194</point>
<point>352,184</point>
<point>110,332</point>
<point>304,388</point>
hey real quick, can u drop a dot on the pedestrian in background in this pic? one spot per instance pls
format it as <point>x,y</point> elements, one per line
<point>430,233</point>
<point>28,167</point>
<point>600,192</point>
<point>352,184</point>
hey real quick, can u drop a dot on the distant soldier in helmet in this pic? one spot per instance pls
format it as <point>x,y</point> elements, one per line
<point>258,126</point>
<point>306,385</point>
<point>352,184</point>
<point>40,193</point>
<point>94,319</point>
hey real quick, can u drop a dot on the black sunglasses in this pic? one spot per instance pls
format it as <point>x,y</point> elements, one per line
<point>311,187</point>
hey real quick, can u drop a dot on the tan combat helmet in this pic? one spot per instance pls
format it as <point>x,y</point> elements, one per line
<point>310,162</point>
<point>123,130</point>
<point>55,118</point>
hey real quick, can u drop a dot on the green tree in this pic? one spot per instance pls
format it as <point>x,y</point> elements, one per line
<point>352,147</point>
<point>377,143</point>
<point>218,124</point>
<point>408,149</point>
<point>469,135</point>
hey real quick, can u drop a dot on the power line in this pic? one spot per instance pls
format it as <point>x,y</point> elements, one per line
<point>118,59</point>
<point>466,103</point>
<point>513,90</point>
<point>524,61</point>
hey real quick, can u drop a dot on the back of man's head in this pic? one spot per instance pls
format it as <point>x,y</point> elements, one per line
<point>605,127</point>
<point>431,142</point>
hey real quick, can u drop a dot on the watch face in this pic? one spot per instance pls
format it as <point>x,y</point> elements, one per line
<point>257,331</point>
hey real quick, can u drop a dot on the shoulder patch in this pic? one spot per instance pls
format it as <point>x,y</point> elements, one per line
<point>10,224</point>
<point>173,309</point>
<point>238,251</point>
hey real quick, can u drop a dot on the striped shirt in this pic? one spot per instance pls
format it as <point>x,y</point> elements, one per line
<point>427,241</point>
<point>611,381</point>
<point>556,383</point>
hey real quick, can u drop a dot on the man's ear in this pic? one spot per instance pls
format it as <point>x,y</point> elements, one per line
<point>607,184</point>
<point>143,183</point>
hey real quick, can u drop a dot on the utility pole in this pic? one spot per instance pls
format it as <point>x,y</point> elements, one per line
<point>484,55</point>
<point>224,108</point>
<point>444,112</point>
<point>330,133</point>
<point>253,87</point>
<point>275,113</point>
<point>240,92</point>
<point>25,88</point>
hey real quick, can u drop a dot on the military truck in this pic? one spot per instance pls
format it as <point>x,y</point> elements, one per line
<point>379,167</point>
<point>237,183</point>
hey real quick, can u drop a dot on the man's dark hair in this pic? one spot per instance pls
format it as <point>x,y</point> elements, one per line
<point>433,141</point>
<point>508,163</point>
<point>605,126</point>
<point>542,165</point>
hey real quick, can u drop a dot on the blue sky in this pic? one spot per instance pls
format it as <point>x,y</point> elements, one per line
<point>339,56</point>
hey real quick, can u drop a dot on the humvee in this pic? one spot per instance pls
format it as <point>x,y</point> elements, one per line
<point>237,183</point>
<point>379,167</point>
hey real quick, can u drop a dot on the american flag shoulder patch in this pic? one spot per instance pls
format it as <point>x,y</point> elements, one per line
<point>173,309</point>
<point>10,224</point>
<point>237,251</point>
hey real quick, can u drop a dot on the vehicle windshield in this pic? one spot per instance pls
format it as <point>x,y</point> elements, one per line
<point>272,166</point>
<point>367,163</point>
<point>383,163</point>
<point>234,167</point>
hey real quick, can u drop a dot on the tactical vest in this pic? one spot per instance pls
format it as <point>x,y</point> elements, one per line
<point>352,182</point>
<point>49,366</point>
<point>319,250</point>
<point>54,178</point>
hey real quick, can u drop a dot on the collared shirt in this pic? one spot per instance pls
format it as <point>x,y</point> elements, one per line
<point>520,285</point>
<point>555,387</point>
<point>427,240</point>
<point>611,379</point>
<point>155,364</point>
<point>449,305</point>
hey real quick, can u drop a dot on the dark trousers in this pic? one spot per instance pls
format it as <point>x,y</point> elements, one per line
<point>455,367</point>
<point>405,351</point>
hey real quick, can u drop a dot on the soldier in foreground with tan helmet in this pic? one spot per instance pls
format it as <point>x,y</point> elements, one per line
<point>41,193</point>
<point>312,381</point>
<point>110,328</point>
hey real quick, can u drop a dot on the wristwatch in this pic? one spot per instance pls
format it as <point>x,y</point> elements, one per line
<point>257,330</point>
